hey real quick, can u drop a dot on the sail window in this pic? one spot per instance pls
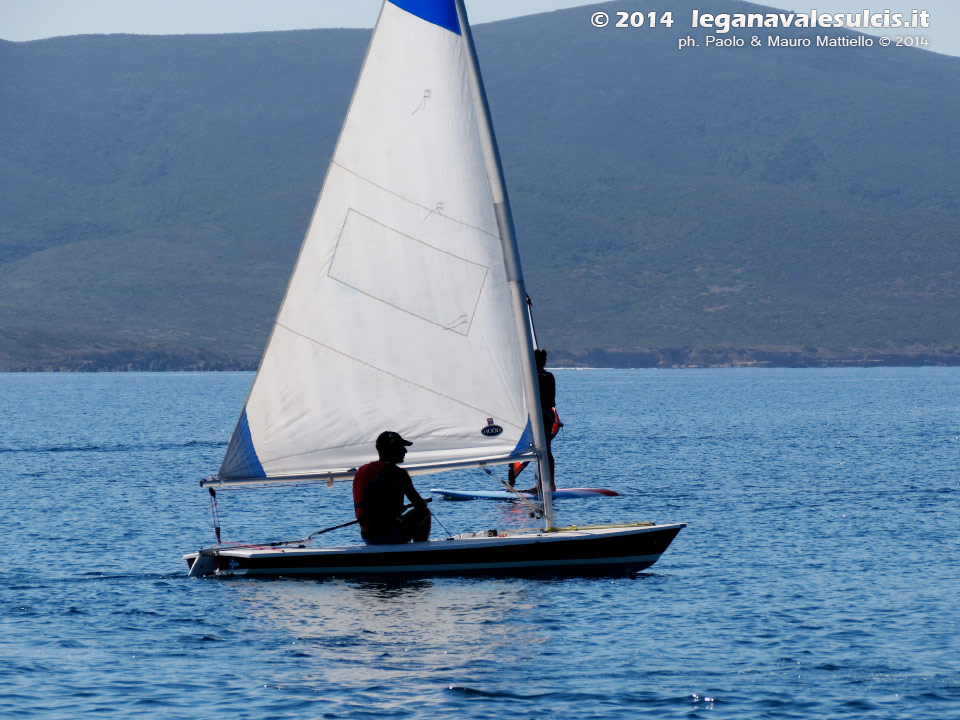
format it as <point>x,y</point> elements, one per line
<point>408,274</point>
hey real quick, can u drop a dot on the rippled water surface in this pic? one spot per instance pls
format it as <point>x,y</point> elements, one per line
<point>817,576</point>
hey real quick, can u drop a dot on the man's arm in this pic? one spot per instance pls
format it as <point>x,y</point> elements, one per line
<point>411,492</point>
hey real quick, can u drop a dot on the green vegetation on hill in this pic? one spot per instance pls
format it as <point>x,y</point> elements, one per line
<point>673,207</point>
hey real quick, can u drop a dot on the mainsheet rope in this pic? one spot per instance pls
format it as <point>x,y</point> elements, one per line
<point>281,543</point>
<point>535,511</point>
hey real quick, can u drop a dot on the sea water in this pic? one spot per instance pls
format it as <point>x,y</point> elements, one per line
<point>817,576</point>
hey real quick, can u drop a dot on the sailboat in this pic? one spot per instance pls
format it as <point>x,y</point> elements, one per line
<point>406,312</point>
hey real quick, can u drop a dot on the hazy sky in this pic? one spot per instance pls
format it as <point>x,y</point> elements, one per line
<point>33,19</point>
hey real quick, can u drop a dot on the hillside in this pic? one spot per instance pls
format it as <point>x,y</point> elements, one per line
<point>674,207</point>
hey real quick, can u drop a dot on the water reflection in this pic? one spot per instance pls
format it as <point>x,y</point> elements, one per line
<point>359,632</point>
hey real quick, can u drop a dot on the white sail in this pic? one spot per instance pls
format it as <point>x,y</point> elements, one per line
<point>398,315</point>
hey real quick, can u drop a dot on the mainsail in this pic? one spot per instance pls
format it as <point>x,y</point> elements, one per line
<point>402,313</point>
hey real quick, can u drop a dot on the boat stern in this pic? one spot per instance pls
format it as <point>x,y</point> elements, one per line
<point>200,563</point>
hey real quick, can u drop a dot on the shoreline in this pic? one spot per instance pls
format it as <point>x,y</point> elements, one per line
<point>668,358</point>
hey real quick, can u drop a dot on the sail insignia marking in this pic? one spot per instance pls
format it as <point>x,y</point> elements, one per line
<point>492,429</point>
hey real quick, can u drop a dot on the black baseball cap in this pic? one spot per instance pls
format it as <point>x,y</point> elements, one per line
<point>389,438</point>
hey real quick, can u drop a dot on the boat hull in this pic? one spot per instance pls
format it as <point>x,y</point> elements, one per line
<point>572,551</point>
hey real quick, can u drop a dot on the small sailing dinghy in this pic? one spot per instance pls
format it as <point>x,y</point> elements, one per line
<point>406,312</point>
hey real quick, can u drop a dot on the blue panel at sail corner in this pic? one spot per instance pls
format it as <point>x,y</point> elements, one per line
<point>438,12</point>
<point>526,440</point>
<point>241,459</point>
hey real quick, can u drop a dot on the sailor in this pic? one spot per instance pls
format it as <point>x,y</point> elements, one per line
<point>378,491</point>
<point>551,420</point>
<point>548,399</point>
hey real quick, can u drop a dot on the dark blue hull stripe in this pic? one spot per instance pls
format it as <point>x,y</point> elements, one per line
<point>574,555</point>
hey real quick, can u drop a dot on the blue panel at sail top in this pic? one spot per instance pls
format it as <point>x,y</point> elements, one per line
<point>438,12</point>
<point>242,457</point>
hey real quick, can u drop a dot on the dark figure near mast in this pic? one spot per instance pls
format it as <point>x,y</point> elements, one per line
<point>551,419</point>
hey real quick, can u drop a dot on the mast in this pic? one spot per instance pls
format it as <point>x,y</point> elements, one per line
<point>511,259</point>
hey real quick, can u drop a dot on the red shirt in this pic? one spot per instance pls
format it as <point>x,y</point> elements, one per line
<point>361,480</point>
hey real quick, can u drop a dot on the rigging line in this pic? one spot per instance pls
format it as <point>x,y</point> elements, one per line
<point>434,516</point>
<point>533,330</point>
<point>308,538</point>
<point>535,511</point>
<point>393,375</point>
<point>412,202</point>
<point>522,498</point>
<point>216,513</point>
